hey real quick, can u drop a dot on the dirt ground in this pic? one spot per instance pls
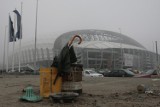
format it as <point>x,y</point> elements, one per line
<point>97,92</point>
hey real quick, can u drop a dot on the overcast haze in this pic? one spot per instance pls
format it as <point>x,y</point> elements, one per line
<point>138,19</point>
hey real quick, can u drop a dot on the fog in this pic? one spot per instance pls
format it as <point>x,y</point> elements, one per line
<point>138,19</point>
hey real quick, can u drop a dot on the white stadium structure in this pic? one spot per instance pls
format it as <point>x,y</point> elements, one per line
<point>99,49</point>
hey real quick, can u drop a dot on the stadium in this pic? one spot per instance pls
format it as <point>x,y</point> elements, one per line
<point>99,49</point>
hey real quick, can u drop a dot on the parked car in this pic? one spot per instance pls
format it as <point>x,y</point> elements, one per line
<point>91,73</point>
<point>147,74</point>
<point>12,71</point>
<point>104,72</point>
<point>120,73</point>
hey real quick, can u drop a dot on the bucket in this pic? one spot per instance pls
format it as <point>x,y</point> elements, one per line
<point>72,87</point>
<point>75,74</point>
<point>73,81</point>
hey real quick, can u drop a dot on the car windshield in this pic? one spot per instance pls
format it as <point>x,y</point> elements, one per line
<point>129,72</point>
<point>103,70</point>
<point>92,72</point>
<point>150,71</point>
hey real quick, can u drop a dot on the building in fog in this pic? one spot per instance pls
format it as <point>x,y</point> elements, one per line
<point>107,49</point>
<point>99,49</point>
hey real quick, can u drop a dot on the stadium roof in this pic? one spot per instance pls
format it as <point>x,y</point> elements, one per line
<point>99,39</point>
<point>105,45</point>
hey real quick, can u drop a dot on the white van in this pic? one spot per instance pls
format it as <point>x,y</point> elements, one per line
<point>91,73</point>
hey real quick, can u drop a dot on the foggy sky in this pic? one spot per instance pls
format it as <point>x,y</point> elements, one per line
<point>138,19</point>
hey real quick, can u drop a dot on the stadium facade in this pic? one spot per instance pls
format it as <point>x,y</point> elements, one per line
<point>99,49</point>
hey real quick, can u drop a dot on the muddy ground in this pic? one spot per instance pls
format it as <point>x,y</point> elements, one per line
<point>97,92</point>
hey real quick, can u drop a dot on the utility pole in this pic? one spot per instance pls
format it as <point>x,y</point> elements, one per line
<point>157,59</point>
<point>35,38</point>
<point>156,53</point>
